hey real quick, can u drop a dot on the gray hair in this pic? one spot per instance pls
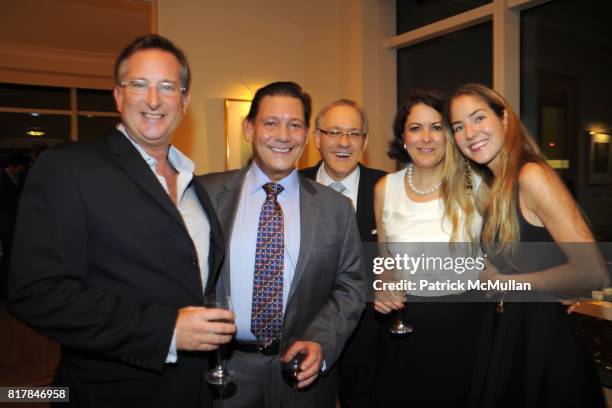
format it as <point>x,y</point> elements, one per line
<point>344,102</point>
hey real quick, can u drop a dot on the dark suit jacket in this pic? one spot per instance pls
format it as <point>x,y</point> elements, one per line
<point>324,301</point>
<point>365,198</point>
<point>357,363</point>
<point>102,263</point>
<point>9,197</point>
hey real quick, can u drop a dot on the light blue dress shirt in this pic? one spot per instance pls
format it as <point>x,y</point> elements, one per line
<point>244,239</point>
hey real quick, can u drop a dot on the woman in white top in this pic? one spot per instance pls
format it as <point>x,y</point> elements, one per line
<point>428,202</point>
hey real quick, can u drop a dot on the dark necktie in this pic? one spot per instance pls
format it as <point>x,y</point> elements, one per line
<point>267,307</point>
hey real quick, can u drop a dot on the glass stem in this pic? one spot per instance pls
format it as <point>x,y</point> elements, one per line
<point>220,358</point>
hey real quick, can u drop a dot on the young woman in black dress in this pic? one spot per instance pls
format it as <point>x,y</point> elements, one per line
<point>531,354</point>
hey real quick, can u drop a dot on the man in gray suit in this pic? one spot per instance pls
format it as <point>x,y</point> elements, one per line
<point>293,268</point>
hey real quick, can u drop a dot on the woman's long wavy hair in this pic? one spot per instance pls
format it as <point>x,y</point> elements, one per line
<point>501,224</point>
<point>456,191</point>
<point>458,205</point>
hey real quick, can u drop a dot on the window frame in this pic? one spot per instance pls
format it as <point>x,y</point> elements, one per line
<point>73,112</point>
<point>505,15</point>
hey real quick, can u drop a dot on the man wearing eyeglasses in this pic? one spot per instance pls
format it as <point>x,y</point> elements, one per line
<point>341,136</point>
<point>117,246</point>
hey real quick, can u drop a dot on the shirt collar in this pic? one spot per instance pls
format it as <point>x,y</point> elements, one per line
<point>176,158</point>
<point>256,178</point>
<point>351,182</point>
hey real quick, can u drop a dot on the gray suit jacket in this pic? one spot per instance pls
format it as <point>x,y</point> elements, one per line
<point>326,296</point>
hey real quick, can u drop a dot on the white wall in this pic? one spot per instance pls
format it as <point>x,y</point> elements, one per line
<point>333,48</point>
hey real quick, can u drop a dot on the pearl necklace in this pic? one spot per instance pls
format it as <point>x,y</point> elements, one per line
<point>410,181</point>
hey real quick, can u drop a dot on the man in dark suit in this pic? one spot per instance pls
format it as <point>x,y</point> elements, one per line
<point>116,247</point>
<point>341,137</point>
<point>293,267</point>
<point>13,168</point>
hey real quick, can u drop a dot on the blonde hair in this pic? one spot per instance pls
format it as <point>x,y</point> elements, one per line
<point>501,225</point>
<point>456,192</point>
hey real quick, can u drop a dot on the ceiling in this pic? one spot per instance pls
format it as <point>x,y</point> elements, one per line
<point>98,26</point>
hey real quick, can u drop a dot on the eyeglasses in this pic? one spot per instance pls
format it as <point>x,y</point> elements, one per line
<point>142,86</point>
<point>335,133</point>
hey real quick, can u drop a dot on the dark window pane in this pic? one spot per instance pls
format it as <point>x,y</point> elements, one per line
<point>567,92</point>
<point>96,127</point>
<point>413,14</point>
<point>28,96</point>
<point>95,100</point>
<point>446,62</point>
<point>15,128</point>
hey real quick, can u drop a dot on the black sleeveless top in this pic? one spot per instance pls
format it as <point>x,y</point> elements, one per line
<point>535,251</point>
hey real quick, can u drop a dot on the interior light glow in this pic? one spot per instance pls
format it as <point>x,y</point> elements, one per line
<point>601,137</point>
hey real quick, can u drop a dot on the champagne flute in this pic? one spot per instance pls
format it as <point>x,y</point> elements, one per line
<point>399,326</point>
<point>219,375</point>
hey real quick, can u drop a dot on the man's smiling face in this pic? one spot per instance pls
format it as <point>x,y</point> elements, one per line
<point>151,118</point>
<point>278,135</point>
<point>341,153</point>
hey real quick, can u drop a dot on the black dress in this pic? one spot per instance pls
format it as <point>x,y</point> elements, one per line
<point>533,354</point>
<point>433,366</point>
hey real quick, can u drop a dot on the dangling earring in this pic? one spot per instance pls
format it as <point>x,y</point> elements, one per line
<point>404,146</point>
<point>469,182</point>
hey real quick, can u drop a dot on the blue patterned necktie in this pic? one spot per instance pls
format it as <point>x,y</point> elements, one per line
<point>267,307</point>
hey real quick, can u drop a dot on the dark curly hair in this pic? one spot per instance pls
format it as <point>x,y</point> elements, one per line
<point>430,97</point>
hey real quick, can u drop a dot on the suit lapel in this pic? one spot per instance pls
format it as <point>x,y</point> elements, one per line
<point>127,156</point>
<point>309,212</point>
<point>227,202</point>
<point>364,195</point>
<point>311,172</point>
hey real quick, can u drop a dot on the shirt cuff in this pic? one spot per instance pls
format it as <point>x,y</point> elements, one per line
<point>172,355</point>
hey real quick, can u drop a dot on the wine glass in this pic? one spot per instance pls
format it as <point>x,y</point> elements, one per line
<point>219,375</point>
<point>291,369</point>
<point>399,327</point>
